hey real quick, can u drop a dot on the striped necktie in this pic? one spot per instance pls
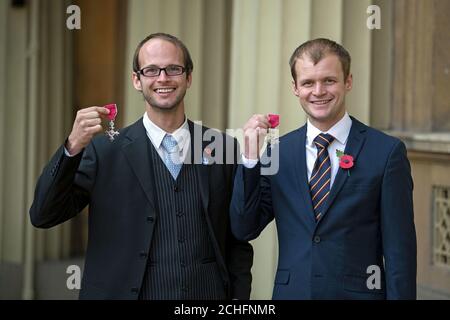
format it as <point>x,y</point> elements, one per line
<point>319,183</point>
<point>171,157</point>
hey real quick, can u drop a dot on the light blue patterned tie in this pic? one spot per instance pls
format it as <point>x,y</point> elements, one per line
<point>171,157</point>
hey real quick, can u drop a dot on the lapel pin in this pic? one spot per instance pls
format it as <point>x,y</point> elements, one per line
<point>207,152</point>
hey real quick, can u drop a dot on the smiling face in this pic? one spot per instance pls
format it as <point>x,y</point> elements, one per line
<point>162,92</point>
<point>321,89</point>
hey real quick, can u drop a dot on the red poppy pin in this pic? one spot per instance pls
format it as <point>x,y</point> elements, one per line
<point>345,161</point>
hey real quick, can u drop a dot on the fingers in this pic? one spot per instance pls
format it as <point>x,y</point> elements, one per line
<point>95,129</point>
<point>92,113</point>
<point>255,131</point>
<point>94,108</point>
<point>252,144</point>
<point>263,122</point>
<point>257,121</point>
<point>87,123</point>
<point>90,122</point>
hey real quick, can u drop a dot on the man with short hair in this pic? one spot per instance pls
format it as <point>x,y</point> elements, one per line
<point>341,199</point>
<point>158,217</point>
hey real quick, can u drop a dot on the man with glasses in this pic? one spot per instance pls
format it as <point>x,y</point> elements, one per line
<point>158,221</point>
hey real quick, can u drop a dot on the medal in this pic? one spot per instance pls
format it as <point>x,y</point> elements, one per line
<point>111,117</point>
<point>272,135</point>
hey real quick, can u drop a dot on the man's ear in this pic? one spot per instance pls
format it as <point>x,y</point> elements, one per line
<point>294,88</point>
<point>189,80</point>
<point>349,82</point>
<point>136,81</point>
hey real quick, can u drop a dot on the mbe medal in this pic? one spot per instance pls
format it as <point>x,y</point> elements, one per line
<point>272,135</point>
<point>111,117</point>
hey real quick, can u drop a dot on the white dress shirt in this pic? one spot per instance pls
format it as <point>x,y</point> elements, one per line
<point>339,131</point>
<point>156,135</point>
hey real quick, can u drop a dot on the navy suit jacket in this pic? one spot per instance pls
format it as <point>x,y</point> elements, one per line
<point>116,181</point>
<point>367,221</point>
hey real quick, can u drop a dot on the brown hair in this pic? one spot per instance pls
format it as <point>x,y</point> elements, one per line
<point>188,64</point>
<point>317,49</point>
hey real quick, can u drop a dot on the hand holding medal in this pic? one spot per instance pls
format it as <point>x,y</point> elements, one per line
<point>255,132</point>
<point>87,124</point>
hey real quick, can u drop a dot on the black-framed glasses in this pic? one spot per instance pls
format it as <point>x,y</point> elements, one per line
<point>170,70</point>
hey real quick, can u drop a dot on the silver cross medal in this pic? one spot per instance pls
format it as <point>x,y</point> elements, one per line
<point>111,133</point>
<point>272,133</point>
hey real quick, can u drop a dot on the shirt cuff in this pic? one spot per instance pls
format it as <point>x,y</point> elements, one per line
<point>68,154</point>
<point>249,163</point>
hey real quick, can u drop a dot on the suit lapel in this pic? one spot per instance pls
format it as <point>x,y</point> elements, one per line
<point>136,150</point>
<point>196,154</point>
<point>301,172</point>
<point>354,144</point>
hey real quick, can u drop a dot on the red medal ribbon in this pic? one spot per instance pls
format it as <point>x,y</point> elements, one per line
<point>274,120</point>
<point>112,111</point>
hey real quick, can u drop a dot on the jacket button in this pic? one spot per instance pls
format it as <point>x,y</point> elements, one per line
<point>180,214</point>
<point>143,254</point>
<point>180,240</point>
<point>150,219</point>
<point>317,239</point>
<point>176,188</point>
<point>134,290</point>
<point>318,276</point>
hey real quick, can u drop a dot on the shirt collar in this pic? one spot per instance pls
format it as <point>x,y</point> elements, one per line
<point>156,134</point>
<point>339,131</point>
